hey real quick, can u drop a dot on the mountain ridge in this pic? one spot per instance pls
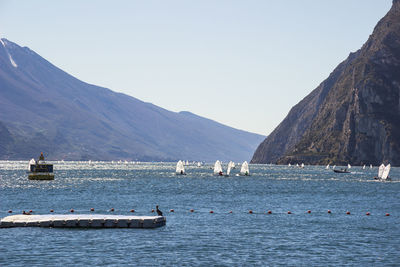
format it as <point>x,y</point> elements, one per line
<point>72,119</point>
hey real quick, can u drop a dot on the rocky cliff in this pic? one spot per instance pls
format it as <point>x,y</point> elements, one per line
<point>354,115</point>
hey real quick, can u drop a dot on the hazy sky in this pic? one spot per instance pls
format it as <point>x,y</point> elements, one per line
<point>242,63</point>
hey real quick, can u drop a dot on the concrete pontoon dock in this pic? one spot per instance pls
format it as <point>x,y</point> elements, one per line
<point>82,221</point>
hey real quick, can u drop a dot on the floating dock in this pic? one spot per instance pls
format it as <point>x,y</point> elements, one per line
<point>82,221</point>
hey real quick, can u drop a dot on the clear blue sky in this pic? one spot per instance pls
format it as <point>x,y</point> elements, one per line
<point>242,63</point>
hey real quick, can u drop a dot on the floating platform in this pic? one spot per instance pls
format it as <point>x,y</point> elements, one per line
<point>82,221</point>
<point>41,176</point>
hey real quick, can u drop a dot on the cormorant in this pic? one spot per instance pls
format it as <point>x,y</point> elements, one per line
<point>159,212</point>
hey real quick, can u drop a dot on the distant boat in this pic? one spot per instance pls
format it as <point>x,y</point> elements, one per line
<point>218,168</point>
<point>289,165</point>
<point>198,164</point>
<point>370,166</point>
<point>364,167</point>
<point>40,170</point>
<point>230,165</point>
<point>383,173</point>
<point>348,166</point>
<point>341,171</point>
<point>244,170</point>
<point>334,166</point>
<point>327,167</point>
<point>180,170</point>
<point>302,165</point>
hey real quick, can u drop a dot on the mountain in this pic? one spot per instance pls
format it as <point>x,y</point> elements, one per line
<point>354,115</point>
<point>44,109</point>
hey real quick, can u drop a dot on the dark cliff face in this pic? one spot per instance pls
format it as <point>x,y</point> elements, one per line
<point>354,115</point>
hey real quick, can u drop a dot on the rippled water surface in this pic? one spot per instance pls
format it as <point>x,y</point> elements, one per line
<point>202,238</point>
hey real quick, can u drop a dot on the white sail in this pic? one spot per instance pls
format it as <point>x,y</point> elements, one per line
<point>217,167</point>
<point>198,164</point>
<point>245,169</point>
<point>302,165</point>
<point>289,165</point>
<point>31,162</point>
<point>334,166</point>
<point>230,165</point>
<point>370,166</point>
<point>327,167</point>
<point>348,166</point>
<point>364,167</point>
<point>179,168</point>
<point>386,171</point>
<point>380,170</point>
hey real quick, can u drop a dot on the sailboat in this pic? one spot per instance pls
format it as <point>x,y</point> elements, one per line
<point>302,165</point>
<point>348,166</point>
<point>327,167</point>
<point>289,165</point>
<point>245,169</point>
<point>364,167</point>
<point>198,164</point>
<point>370,166</point>
<point>218,168</point>
<point>385,174</point>
<point>180,170</point>
<point>230,166</point>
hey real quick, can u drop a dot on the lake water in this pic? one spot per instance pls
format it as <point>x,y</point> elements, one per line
<point>202,238</point>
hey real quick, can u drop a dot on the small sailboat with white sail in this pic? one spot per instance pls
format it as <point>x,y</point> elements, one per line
<point>244,170</point>
<point>230,167</point>
<point>218,168</point>
<point>327,167</point>
<point>383,173</point>
<point>180,170</point>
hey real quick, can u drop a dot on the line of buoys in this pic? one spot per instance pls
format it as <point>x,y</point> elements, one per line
<point>211,211</point>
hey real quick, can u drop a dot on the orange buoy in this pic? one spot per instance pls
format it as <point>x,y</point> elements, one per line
<point>289,212</point>
<point>30,211</point>
<point>348,212</point>
<point>329,211</point>
<point>132,210</point>
<point>269,212</point>
<point>192,210</point>
<point>152,210</point>
<point>51,210</point>
<point>250,212</point>
<point>171,210</point>
<point>387,214</point>
<point>211,211</point>
<point>367,213</point>
<point>91,209</point>
<point>308,211</point>
<point>112,209</point>
<point>72,210</point>
<point>10,211</point>
<point>230,211</point>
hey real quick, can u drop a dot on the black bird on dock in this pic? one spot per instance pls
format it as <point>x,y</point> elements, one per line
<point>159,212</point>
